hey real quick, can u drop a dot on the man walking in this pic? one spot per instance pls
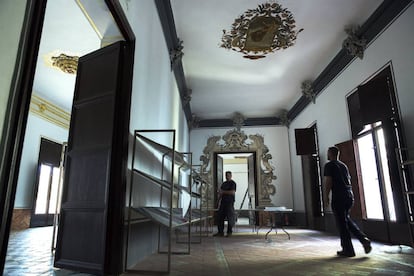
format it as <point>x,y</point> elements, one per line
<point>337,180</point>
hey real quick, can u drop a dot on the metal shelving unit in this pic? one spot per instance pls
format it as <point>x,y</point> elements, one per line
<point>161,167</point>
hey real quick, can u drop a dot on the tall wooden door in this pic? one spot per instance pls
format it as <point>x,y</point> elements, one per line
<point>91,223</point>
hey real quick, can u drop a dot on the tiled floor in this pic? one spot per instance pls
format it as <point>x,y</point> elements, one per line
<point>29,254</point>
<point>245,253</point>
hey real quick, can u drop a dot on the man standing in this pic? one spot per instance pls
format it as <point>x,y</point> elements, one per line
<point>226,200</point>
<point>337,180</point>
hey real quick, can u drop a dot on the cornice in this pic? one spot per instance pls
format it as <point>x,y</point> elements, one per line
<point>373,26</point>
<point>167,22</point>
<point>49,112</point>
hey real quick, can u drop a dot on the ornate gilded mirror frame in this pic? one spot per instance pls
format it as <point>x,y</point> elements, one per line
<point>235,141</point>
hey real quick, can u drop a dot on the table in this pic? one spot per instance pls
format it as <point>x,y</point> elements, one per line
<point>273,211</point>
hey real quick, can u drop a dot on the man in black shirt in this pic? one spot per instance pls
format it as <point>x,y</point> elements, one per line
<point>337,180</point>
<point>226,200</point>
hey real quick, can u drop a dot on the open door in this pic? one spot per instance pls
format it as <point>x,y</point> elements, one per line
<point>219,175</point>
<point>90,233</point>
<point>251,178</point>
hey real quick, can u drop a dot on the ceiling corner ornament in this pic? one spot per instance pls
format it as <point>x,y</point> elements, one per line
<point>258,32</point>
<point>176,54</point>
<point>354,44</point>
<point>237,141</point>
<point>187,97</point>
<point>66,63</point>
<point>284,118</point>
<point>307,90</point>
<point>238,120</point>
<point>194,122</point>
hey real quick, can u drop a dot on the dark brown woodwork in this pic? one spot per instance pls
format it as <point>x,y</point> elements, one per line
<point>305,141</point>
<point>349,155</point>
<point>91,224</point>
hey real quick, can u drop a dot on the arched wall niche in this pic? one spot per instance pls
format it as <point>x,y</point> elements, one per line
<point>236,141</point>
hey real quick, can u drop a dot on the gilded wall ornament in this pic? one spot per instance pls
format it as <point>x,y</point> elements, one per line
<point>353,44</point>
<point>237,141</point>
<point>66,63</point>
<point>258,32</point>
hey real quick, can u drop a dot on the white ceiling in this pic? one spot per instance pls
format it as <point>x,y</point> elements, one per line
<point>66,29</point>
<point>222,81</point>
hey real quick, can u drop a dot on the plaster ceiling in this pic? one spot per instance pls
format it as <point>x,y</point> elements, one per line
<point>74,27</point>
<point>222,81</point>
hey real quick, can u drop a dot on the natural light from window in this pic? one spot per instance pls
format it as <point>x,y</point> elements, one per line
<point>373,203</point>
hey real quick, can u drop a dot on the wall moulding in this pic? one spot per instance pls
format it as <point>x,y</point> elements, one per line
<point>235,141</point>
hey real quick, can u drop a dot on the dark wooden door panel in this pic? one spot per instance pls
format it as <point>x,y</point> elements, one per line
<point>305,141</point>
<point>349,155</point>
<point>88,239</point>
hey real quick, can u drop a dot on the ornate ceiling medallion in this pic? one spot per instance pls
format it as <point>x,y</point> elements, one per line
<point>66,63</point>
<point>258,32</point>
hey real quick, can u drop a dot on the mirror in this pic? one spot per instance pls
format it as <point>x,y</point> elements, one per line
<point>235,141</point>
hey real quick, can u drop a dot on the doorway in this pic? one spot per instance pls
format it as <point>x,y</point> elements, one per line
<point>243,170</point>
<point>48,180</point>
<point>49,15</point>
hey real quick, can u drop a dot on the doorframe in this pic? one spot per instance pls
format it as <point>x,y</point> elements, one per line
<point>217,185</point>
<point>19,103</point>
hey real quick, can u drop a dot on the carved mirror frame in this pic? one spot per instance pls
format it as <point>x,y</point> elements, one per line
<point>235,141</point>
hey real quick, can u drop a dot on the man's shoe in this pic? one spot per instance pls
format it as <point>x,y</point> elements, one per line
<point>345,254</point>
<point>366,243</point>
<point>218,234</point>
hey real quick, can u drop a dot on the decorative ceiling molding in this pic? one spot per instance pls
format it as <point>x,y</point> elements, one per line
<point>194,122</point>
<point>385,14</point>
<point>284,119</point>
<point>258,32</point>
<point>238,120</point>
<point>307,90</point>
<point>354,44</point>
<point>187,97</point>
<point>176,54</point>
<point>66,63</point>
<point>375,24</point>
<point>49,112</point>
<point>167,22</point>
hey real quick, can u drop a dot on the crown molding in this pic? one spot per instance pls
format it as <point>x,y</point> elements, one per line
<point>384,15</point>
<point>167,22</point>
<point>49,112</point>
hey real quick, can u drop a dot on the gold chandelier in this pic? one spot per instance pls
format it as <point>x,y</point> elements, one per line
<point>261,31</point>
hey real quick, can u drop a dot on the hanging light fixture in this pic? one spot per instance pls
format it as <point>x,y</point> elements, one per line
<point>261,31</point>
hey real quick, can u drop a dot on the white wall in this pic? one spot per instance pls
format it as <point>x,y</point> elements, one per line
<point>35,129</point>
<point>275,138</point>
<point>394,45</point>
<point>155,99</point>
<point>11,21</point>
<point>155,103</point>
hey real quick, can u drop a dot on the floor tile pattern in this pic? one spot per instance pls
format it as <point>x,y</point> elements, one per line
<point>307,252</point>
